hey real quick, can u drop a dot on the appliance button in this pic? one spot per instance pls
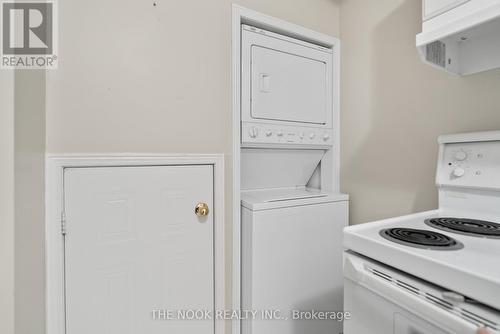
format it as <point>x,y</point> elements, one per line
<point>280,133</point>
<point>253,132</point>
<point>460,155</point>
<point>312,135</point>
<point>269,133</point>
<point>301,135</point>
<point>326,136</point>
<point>458,172</point>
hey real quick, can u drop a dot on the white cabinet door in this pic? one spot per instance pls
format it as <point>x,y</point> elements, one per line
<point>436,7</point>
<point>134,244</point>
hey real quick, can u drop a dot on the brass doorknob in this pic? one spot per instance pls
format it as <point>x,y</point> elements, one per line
<point>201,209</point>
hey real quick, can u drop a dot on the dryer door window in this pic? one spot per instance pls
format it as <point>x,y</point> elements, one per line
<point>288,87</point>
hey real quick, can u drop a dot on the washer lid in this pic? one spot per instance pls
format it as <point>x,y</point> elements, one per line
<point>257,200</point>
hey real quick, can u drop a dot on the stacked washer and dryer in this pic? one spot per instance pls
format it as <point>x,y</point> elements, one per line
<point>292,213</point>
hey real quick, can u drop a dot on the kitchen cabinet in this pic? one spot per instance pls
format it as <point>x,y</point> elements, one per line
<point>460,36</point>
<point>432,8</point>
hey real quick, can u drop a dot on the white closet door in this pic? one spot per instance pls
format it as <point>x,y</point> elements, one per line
<point>134,244</point>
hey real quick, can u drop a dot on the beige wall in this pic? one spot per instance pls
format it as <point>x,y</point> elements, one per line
<point>7,202</point>
<point>394,107</point>
<point>134,77</point>
<point>29,160</point>
<point>22,148</point>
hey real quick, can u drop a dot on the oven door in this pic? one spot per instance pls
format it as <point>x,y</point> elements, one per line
<point>285,81</point>
<point>381,304</point>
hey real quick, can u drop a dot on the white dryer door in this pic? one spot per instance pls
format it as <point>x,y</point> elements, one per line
<point>287,81</point>
<point>288,87</point>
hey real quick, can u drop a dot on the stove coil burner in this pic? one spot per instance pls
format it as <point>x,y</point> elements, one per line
<point>421,239</point>
<point>472,227</point>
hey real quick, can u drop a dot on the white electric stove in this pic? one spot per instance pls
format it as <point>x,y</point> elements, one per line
<point>435,272</point>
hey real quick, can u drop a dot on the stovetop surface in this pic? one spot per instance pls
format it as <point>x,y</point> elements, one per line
<point>473,270</point>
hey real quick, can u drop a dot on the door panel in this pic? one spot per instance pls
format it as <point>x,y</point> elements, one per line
<point>414,325</point>
<point>134,244</point>
<point>285,80</point>
<point>288,87</point>
<point>376,315</point>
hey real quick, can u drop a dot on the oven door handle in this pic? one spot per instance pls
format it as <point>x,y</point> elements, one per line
<point>355,270</point>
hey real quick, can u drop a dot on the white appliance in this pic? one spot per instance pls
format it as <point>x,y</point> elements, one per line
<point>433,8</point>
<point>292,214</point>
<point>460,36</point>
<point>287,89</point>
<point>437,271</point>
<point>291,258</point>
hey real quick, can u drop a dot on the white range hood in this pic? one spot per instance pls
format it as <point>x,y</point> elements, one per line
<point>461,36</point>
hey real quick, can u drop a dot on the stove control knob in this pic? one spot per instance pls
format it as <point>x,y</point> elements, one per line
<point>458,172</point>
<point>269,133</point>
<point>301,135</point>
<point>326,136</point>
<point>312,135</point>
<point>460,156</point>
<point>280,133</point>
<point>253,132</point>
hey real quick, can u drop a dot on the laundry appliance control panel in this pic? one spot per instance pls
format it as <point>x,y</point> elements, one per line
<point>260,133</point>
<point>470,165</point>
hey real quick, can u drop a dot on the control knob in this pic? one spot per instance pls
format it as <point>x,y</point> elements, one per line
<point>312,135</point>
<point>326,136</point>
<point>253,132</point>
<point>280,133</point>
<point>458,172</point>
<point>460,155</point>
<point>269,133</point>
